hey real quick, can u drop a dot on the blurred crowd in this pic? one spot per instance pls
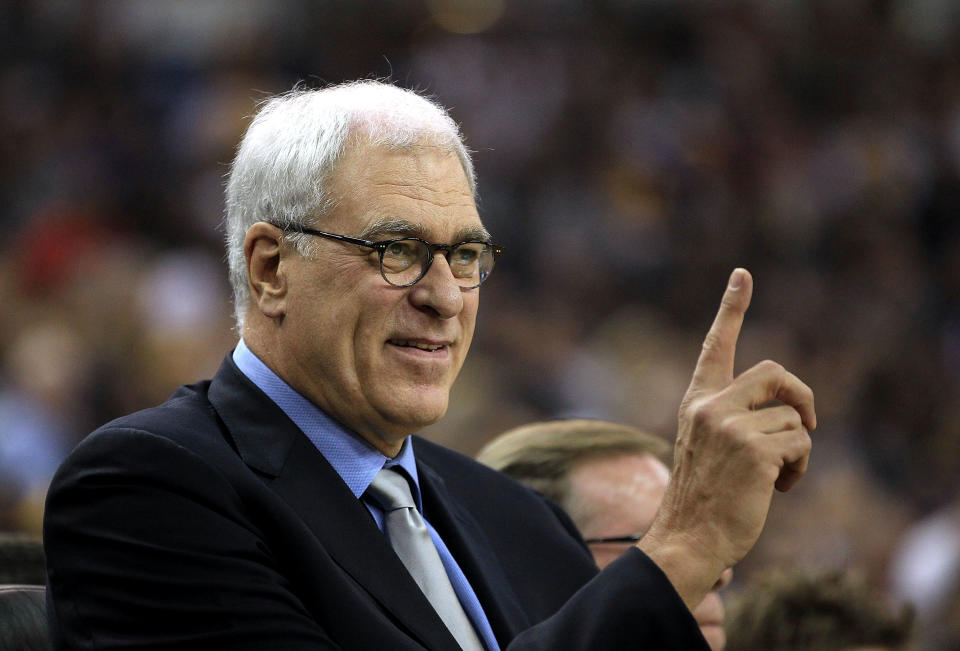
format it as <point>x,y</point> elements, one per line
<point>630,153</point>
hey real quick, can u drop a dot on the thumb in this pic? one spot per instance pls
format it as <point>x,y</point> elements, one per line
<point>714,369</point>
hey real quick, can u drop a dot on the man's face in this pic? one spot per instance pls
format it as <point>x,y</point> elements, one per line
<point>619,496</point>
<point>381,359</point>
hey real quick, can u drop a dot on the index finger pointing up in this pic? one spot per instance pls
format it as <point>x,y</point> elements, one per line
<point>714,369</point>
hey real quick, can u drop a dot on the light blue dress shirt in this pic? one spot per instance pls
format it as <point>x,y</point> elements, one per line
<point>357,464</point>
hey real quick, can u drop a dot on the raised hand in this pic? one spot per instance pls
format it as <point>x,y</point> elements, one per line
<point>738,438</point>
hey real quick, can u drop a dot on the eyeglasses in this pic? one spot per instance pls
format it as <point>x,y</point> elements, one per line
<point>617,539</point>
<point>405,260</point>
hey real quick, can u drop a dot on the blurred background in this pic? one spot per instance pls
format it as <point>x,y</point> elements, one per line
<point>630,153</point>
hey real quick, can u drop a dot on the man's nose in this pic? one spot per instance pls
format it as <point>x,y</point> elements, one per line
<point>438,290</point>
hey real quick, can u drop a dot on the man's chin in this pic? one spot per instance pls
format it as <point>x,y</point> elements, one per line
<point>715,636</point>
<point>418,410</point>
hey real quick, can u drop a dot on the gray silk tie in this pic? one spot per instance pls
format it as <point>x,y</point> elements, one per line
<point>411,540</point>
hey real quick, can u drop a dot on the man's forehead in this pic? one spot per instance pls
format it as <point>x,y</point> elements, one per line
<point>621,474</point>
<point>410,169</point>
<point>421,192</point>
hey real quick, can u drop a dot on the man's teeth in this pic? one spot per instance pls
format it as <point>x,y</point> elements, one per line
<point>415,344</point>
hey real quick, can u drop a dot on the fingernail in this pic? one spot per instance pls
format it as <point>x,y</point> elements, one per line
<point>736,279</point>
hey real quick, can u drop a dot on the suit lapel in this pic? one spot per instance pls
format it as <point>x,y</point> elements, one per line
<point>470,547</point>
<point>268,441</point>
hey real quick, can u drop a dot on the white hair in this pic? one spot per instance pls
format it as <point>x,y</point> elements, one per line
<point>284,163</point>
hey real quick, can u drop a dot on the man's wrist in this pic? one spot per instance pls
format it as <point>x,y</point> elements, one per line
<point>691,572</point>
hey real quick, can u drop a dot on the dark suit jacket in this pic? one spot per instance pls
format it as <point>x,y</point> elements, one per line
<point>212,522</point>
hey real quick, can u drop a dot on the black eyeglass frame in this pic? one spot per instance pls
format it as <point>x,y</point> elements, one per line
<point>632,539</point>
<point>382,245</point>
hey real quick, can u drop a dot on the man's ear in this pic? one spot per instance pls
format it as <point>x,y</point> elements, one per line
<point>263,247</point>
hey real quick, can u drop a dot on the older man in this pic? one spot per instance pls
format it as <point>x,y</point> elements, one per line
<point>249,511</point>
<point>610,478</point>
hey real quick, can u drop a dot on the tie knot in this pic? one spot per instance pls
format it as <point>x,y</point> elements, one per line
<point>391,490</point>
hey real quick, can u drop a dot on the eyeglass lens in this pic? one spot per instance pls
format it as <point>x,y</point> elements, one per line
<point>404,262</point>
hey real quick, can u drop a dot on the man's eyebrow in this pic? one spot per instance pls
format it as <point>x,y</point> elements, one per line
<point>402,228</point>
<point>478,234</point>
<point>393,226</point>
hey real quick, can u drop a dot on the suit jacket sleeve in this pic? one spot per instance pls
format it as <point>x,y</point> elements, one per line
<point>631,604</point>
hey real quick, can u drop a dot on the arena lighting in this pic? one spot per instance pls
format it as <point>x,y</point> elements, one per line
<point>465,16</point>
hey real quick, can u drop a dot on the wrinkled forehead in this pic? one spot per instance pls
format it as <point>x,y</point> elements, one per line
<point>419,190</point>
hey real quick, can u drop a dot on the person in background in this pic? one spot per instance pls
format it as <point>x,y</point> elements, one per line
<point>610,478</point>
<point>250,511</point>
<point>925,572</point>
<point>815,611</point>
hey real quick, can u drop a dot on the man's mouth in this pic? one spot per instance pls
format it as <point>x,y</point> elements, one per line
<point>420,345</point>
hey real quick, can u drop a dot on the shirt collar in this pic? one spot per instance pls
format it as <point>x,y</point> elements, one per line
<point>354,459</point>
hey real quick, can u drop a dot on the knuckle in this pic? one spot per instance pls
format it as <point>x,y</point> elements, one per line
<point>711,342</point>
<point>729,302</point>
<point>756,453</point>
<point>770,473</point>
<point>729,426</point>
<point>794,420</point>
<point>704,413</point>
<point>768,366</point>
<point>761,465</point>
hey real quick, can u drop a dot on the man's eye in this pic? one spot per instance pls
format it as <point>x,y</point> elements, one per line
<point>402,249</point>
<point>466,254</point>
<point>402,255</point>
